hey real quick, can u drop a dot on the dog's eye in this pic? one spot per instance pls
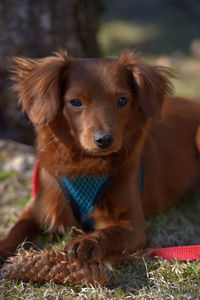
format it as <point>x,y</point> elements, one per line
<point>76,103</point>
<point>122,102</point>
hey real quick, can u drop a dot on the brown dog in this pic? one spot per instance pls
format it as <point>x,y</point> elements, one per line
<point>100,118</point>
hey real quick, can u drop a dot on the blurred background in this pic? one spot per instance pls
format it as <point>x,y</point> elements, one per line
<point>166,32</point>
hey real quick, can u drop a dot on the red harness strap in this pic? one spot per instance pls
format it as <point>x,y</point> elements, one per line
<point>36,178</point>
<point>181,253</point>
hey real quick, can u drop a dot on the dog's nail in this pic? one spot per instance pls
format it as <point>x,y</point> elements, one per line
<point>69,252</point>
<point>65,248</point>
<point>83,256</point>
<point>92,253</point>
<point>1,274</point>
<point>78,250</point>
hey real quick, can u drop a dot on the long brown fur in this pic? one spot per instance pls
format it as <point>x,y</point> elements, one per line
<point>154,130</point>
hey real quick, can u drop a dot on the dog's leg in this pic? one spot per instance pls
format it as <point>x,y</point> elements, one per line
<point>105,244</point>
<point>113,236</point>
<point>24,230</point>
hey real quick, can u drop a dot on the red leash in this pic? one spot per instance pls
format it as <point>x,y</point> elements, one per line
<point>180,253</point>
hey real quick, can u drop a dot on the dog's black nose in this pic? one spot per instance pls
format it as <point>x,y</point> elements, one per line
<point>103,140</point>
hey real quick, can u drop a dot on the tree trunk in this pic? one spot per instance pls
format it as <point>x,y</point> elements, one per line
<point>36,29</point>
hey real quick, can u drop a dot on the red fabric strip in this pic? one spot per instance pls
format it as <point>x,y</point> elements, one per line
<point>180,253</point>
<point>36,179</point>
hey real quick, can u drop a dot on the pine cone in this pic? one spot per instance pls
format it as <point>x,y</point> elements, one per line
<point>33,266</point>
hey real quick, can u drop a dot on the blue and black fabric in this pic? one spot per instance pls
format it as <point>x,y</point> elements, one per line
<point>85,193</point>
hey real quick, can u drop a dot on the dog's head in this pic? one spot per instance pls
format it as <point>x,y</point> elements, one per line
<point>97,101</point>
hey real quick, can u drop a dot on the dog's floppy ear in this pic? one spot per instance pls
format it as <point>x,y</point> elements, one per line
<point>152,83</point>
<point>38,83</point>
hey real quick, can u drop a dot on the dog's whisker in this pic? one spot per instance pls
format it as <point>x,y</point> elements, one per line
<point>124,150</point>
<point>75,141</point>
<point>51,141</point>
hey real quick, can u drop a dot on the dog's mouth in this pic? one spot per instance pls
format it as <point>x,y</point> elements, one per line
<point>100,152</point>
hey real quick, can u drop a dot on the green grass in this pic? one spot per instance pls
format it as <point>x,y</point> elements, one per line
<point>5,175</point>
<point>24,202</point>
<point>115,35</point>
<point>2,157</point>
<point>173,280</point>
<point>188,87</point>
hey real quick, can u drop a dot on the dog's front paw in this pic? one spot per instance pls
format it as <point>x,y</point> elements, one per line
<point>85,248</point>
